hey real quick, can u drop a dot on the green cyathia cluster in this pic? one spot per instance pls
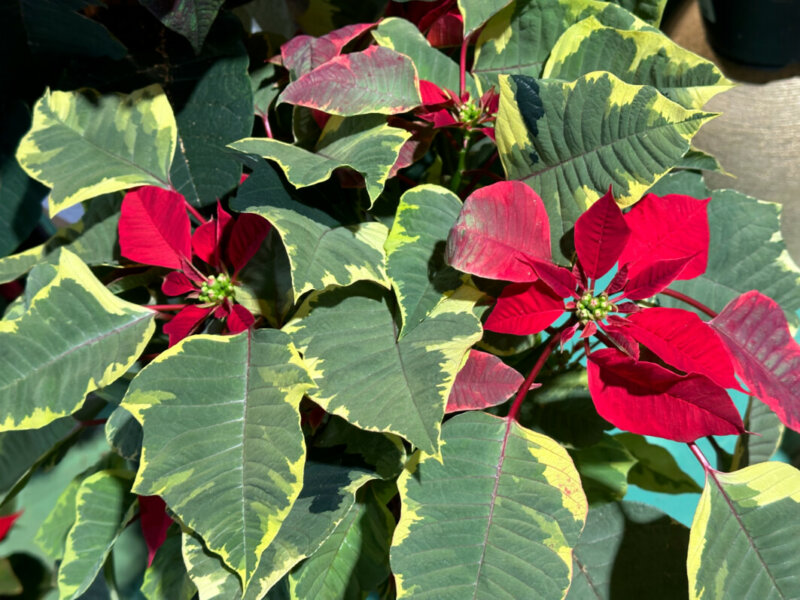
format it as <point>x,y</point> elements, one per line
<point>469,113</point>
<point>216,289</point>
<point>593,308</point>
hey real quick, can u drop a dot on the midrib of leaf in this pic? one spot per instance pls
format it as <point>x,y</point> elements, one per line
<point>586,575</point>
<point>506,69</point>
<point>713,475</point>
<point>244,459</point>
<point>396,345</point>
<point>497,474</point>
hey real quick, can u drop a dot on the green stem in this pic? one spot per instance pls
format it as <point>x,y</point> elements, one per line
<point>455,182</point>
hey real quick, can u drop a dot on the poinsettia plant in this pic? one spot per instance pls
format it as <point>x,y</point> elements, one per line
<point>372,300</point>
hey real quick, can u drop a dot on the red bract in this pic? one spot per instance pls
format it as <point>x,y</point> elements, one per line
<point>155,522</point>
<point>154,229</point>
<point>499,235</point>
<point>6,521</point>
<point>440,22</point>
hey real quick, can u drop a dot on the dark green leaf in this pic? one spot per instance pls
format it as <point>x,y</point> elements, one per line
<point>191,18</point>
<point>604,468</point>
<point>656,469</point>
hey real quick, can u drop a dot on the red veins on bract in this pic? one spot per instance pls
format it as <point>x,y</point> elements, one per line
<point>154,229</point>
<point>503,233</point>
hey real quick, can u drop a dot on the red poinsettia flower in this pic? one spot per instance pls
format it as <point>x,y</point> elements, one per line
<point>445,108</point>
<point>665,371</point>
<point>154,229</point>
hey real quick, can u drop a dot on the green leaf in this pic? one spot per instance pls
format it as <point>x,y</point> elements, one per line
<point>563,409</point>
<point>190,18</point>
<point>21,453</point>
<point>604,469</point>
<point>656,469</point>
<point>761,420</point>
<point>20,196</point>
<point>218,110</point>
<point>328,493</point>
<point>744,534</point>
<point>746,252</point>
<point>124,434</point>
<point>637,57</point>
<point>368,377</point>
<point>699,160</point>
<point>415,258</point>
<point>630,550</point>
<point>498,517</point>
<point>103,507</point>
<point>211,577</point>
<point>571,141</point>
<point>9,584</point>
<point>221,413</point>
<point>83,145</point>
<point>366,144</point>
<point>52,534</point>
<point>376,80</point>
<point>74,338</point>
<point>519,38</point>
<point>477,12</point>
<point>58,27</point>
<point>431,64</point>
<point>354,560</point>
<point>166,578</point>
<point>265,85</point>
<point>650,11</point>
<point>321,251</point>
<point>94,239</point>
<point>384,451</point>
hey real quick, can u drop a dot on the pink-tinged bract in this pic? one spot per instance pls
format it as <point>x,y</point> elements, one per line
<point>499,225</point>
<point>432,94</point>
<point>525,308</point>
<point>6,521</point>
<point>645,398</point>
<point>154,228</point>
<point>664,228</point>
<point>600,236</point>
<point>484,381</point>
<point>681,339</point>
<point>755,331</point>
<point>654,278</point>
<point>154,522</point>
<point>304,53</point>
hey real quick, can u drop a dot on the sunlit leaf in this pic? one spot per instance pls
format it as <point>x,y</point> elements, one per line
<point>83,145</point>
<point>74,338</point>
<point>103,505</point>
<point>234,428</point>
<point>744,533</point>
<point>498,517</point>
<point>349,335</point>
<point>638,57</point>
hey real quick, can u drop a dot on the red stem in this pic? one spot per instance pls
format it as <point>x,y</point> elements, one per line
<point>194,212</point>
<point>526,386</point>
<point>267,128</point>
<point>690,301</point>
<point>462,72</point>
<point>702,459</point>
<point>165,307</point>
